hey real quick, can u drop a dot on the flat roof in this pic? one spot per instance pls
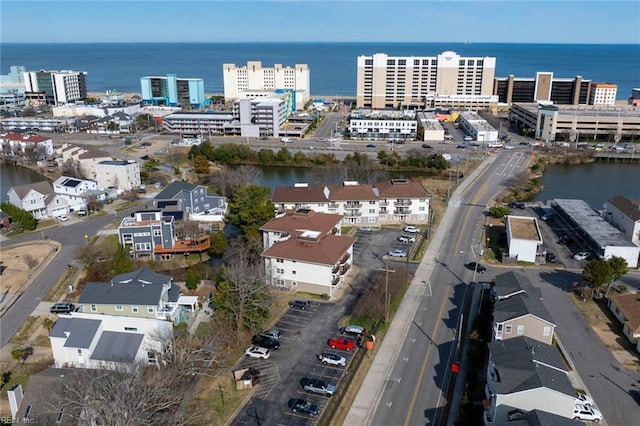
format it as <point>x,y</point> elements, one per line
<point>593,224</point>
<point>524,228</point>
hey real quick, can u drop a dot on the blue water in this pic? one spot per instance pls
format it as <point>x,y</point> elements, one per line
<point>332,65</point>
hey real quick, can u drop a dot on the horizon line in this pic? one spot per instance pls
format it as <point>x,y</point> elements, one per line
<point>317,42</point>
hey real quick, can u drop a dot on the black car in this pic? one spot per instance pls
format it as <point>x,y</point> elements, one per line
<point>62,308</point>
<point>303,406</point>
<point>476,267</point>
<point>299,304</point>
<point>461,147</point>
<point>551,258</point>
<point>265,341</point>
<point>426,146</point>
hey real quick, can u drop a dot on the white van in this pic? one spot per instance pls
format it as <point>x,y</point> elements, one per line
<point>286,140</point>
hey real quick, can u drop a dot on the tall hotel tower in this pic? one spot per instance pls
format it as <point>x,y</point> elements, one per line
<point>396,81</point>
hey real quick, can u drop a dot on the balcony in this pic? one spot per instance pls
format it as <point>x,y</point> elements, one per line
<point>335,269</point>
<point>352,205</point>
<point>353,213</point>
<point>335,281</point>
<point>383,203</point>
<point>403,202</point>
<point>344,269</point>
<point>196,245</point>
<point>402,211</point>
<point>334,205</point>
<point>345,258</point>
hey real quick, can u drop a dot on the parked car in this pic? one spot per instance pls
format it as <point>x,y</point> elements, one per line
<point>82,212</point>
<point>265,341</point>
<point>412,229</point>
<point>476,267</point>
<point>303,406</point>
<point>332,359</point>
<point>355,330</point>
<point>406,239</point>
<point>63,218</point>
<point>273,333</point>
<point>586,412</point>
<point>551,258</point>
<point>508,147</point>
<point>299,304</point>
<point>318,386</point>
<point>426,146</point>
<point>286,140</point>
<point>366,228</point>
<point>397,253</point>
<point>264,138</point>
<point>582,255</point>
<point>461,147</point>
<point>584,399</point>
<point>371,145</point>
<point>468,138</point>
<point>62,308</point>
<point>341,343</point>
<point>257,352</point>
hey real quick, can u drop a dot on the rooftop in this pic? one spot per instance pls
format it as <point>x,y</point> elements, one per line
<point>524,228</point>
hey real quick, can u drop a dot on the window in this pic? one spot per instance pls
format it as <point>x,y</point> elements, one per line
<point>293,272</point>
<point>157,233</point>
<point>507,329</point>
<point>130,329</point>
<point>546,331</point>
<point>280,260</point>
<point>150,309</point>
<point>279,271</point>
<point>280,282</point>
<point>143,247</point>
<point>79,352</point>
<point>119,308</point>
<point>94,308</point>
<point>134,309</point>
<point>520,329</point>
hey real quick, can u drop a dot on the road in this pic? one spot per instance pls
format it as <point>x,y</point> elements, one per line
<point>72,238</point>
<point>413,391</point>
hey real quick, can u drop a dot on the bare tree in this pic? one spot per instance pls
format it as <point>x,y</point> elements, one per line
<point>188,229</point>
<point>233,179</point>
<point>243,297</point>
<point>72,168</point>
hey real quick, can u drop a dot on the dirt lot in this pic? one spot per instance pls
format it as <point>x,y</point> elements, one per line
<point>607,327</point>
<point>19,262</point>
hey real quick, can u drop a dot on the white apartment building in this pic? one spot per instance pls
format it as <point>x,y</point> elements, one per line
<point>254,78</point>
<point>603,94</point>
<point>74,190</point>
<point>84,159</point>
<point>398,201</point>
<point>61,87</point>
<point>21,144</point>
<point>119,174</point>
<point>383,125</point>
<point>395,81</point>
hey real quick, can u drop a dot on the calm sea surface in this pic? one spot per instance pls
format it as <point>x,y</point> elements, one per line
<point>332,65</point>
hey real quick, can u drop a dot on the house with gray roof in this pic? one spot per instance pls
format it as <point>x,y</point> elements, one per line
<point>141,294</point>
<point>538,418</point>
<point>194,200</point>
<point>39,199</point>
<point>525,374</point>
<point>85,340</point>
<point>518,310</point>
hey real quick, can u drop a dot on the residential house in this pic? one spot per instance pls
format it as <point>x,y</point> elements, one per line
<point>523,238</point>
<point>518,310</point>
<point>75,191</point>
<point>142,293</point>
<point>28,144</point>
<point>193,200</point>
<point>151,233</point>
<point>124,175</point>
<point>85,159</point>
<point>624,214</point>
<point>39,199</point>
<point>399,201</point>
<point>86,340</point>
<point>5,220</point>
<point>119,122</point>
<point>524,374</point>
<point>626,308</point>
<point>305,251</point>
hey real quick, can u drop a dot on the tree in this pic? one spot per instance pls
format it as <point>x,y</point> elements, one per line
<point>499,211</point>
<point>48,323</point>
<point>242,295</point>
<point>201,165</point>
<point>250,207</point>
<point>596,273</point>
<point>619,269</point>
<point>21,219</point>
<point>18,353</point>
<point>218,244</point>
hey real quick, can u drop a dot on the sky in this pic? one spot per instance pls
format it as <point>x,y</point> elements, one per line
<point>502,21</point>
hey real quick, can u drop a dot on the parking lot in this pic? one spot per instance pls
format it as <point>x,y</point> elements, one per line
<point>305,334</point>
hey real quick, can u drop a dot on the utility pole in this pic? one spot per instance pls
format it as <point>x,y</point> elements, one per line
<point>386,287</point>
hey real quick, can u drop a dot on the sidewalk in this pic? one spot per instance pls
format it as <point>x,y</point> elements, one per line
<point>368,397</point>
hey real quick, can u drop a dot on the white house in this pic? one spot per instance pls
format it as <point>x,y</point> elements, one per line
<point>120,174</point>
<point>626,308</point>
<point>21,143</point>
<point>523,237</point>
<point>86,340</point>
<point>39,199</point>
<point>74,190</point>
<point>304,250</point>
<point>624,214</point>
<point>398,201</point>
<point>523,375</point>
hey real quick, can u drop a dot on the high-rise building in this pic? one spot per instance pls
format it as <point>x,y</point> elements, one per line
<point>603,94</point>
<point>56,87</point>
<point>544,87</point>
<point>396,81</point>
<point>253,78</point>
<point>173,91</point>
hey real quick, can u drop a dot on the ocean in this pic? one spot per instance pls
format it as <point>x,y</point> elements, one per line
<point>332,65</point>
